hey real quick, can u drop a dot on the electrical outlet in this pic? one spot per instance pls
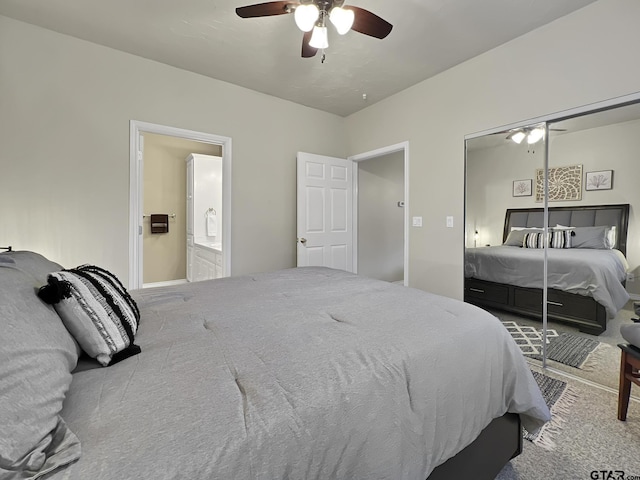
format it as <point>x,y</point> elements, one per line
<point>449,221</point>
<point>417,221</point>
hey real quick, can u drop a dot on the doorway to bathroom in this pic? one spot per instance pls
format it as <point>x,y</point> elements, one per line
<point>166,191</point>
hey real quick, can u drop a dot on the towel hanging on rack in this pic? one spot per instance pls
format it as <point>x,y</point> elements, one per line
<point>159,223</point>
<point>212,223</point>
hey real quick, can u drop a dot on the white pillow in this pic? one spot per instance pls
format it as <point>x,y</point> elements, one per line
<point>611,237</point>
<point>525,228</point>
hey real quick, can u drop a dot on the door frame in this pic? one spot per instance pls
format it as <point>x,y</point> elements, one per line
<point>379,152</point>
<point>136,192</point>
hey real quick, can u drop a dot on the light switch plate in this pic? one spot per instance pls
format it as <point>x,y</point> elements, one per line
<point>417,221</point>
<point>449,221</point>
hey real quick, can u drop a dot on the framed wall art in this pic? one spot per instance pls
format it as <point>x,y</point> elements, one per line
<point>522,188</point>
<point>602,180</point>
<point>565,183</point>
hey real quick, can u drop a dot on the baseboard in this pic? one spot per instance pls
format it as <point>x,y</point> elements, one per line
<point>168,283</point>
<point>635,296</point>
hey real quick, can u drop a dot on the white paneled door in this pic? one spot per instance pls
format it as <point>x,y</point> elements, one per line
<point>325,213</point>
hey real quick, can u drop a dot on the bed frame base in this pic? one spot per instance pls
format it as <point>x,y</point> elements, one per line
<point>578,310</point>
<point>483,459</point>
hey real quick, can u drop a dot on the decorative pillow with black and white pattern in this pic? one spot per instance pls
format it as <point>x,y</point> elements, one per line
<point>97,310</point>
<point>557,239</point>
<point>561,238</point>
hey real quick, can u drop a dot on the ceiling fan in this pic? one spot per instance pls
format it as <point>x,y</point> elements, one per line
<point>311,17</point>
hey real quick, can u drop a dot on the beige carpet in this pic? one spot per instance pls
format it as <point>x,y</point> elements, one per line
<point>592,438</point>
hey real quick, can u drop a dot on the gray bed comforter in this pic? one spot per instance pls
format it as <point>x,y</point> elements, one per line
<point>585,271</point>
<point>307,373</point>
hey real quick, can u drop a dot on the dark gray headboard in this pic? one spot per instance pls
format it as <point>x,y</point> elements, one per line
<point>578,216</point>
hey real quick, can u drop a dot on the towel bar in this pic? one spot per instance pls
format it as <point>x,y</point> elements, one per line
<point>171,215</point>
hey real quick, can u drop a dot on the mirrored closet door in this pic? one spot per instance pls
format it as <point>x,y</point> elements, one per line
<point>593,170</point>
<point>504,225</point>
<point>590,265</point>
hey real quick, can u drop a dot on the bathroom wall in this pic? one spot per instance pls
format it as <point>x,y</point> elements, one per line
<point>164,254</point>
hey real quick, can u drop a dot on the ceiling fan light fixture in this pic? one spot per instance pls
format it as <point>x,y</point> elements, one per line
<point>518,137</point>
<point>535,135</point>
<point>342,19</point>
<point>319,38</point>
<point>305,16</point>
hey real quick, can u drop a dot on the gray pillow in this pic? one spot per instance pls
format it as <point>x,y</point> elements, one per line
<point>31,263</point>
<point>516,237</point>
<point>37,355</point>
<point>591,237</point>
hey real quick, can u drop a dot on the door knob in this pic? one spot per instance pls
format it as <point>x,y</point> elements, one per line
<point>302,240</point>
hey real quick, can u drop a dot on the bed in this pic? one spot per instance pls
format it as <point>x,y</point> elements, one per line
<point>586,282</point>
<point>301,373</point>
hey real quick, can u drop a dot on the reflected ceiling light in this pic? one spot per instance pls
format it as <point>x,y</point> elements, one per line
<point>535,135</point>
<point>342,19</point>
<point>518,137</point>
<point>532,134</point>
<point>306,16</point>
<point>319,37</point>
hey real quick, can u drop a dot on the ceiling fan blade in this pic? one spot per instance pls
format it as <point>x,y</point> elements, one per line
<point>369,23</point>
<point>265,9</point>
<point>307,50</point>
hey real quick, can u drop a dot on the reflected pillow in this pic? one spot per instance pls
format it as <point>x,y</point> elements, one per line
<point>561,238</point>
<point>516,235</point>
<point>533,240</point>
<point>611,234</point>
<point>557,239</point>
<point>592,237</point>
<point>97,310</point>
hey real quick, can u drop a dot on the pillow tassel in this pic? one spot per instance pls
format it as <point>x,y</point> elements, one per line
<point>54,291</point>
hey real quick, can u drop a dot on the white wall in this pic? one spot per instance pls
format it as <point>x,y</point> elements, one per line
<point>65,108</point>
<point>380,220</point>
<point>579,59</point>
<point>490,176</point>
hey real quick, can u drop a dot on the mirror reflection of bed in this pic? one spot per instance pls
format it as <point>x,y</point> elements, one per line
<point>606,141</point>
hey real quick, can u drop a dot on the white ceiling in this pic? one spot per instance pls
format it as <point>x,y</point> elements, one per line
<point>263,54</point>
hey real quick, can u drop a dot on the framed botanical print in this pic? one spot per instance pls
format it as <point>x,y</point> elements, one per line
<point>602,180</point>
<point>522,188</point>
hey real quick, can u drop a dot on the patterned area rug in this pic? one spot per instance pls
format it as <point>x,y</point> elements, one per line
<point>565,348</point>
<point>559,398</point>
